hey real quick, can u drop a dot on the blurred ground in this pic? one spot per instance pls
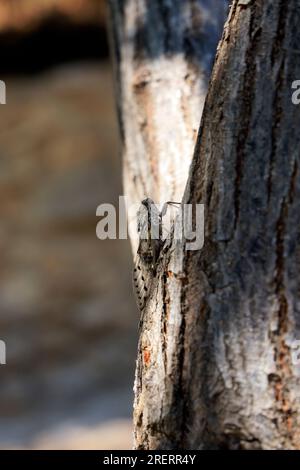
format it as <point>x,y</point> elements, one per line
<point>66,309</point>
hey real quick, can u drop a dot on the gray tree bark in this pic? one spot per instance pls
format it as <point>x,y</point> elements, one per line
<point>215,364</point>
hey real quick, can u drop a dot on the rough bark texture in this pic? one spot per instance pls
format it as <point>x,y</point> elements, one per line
<point>240,305</point>
<point>215,365</point>
<point>164,51</point>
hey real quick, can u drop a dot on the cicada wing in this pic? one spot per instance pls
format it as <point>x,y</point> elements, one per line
<point>142,278</point>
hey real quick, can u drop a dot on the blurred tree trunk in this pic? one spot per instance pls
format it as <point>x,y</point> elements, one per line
<point>163,53</point>
<point>216,362</point>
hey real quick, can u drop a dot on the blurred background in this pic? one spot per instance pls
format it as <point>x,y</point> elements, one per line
<point>66,309</point>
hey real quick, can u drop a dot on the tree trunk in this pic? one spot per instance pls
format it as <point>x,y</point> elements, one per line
<point>215,364</point>
<point>163,51</point>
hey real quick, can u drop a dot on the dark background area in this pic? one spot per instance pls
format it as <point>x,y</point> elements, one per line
<point>35,35</point>
<point>55,41</point>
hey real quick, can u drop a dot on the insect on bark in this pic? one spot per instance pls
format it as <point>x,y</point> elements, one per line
<point>149,227</point>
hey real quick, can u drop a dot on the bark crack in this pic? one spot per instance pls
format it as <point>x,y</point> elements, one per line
<point>282,353</point>
<point>277,57</point>
<point>247,94</point>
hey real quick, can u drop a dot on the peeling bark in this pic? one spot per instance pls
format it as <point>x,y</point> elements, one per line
<point>214,366</point>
